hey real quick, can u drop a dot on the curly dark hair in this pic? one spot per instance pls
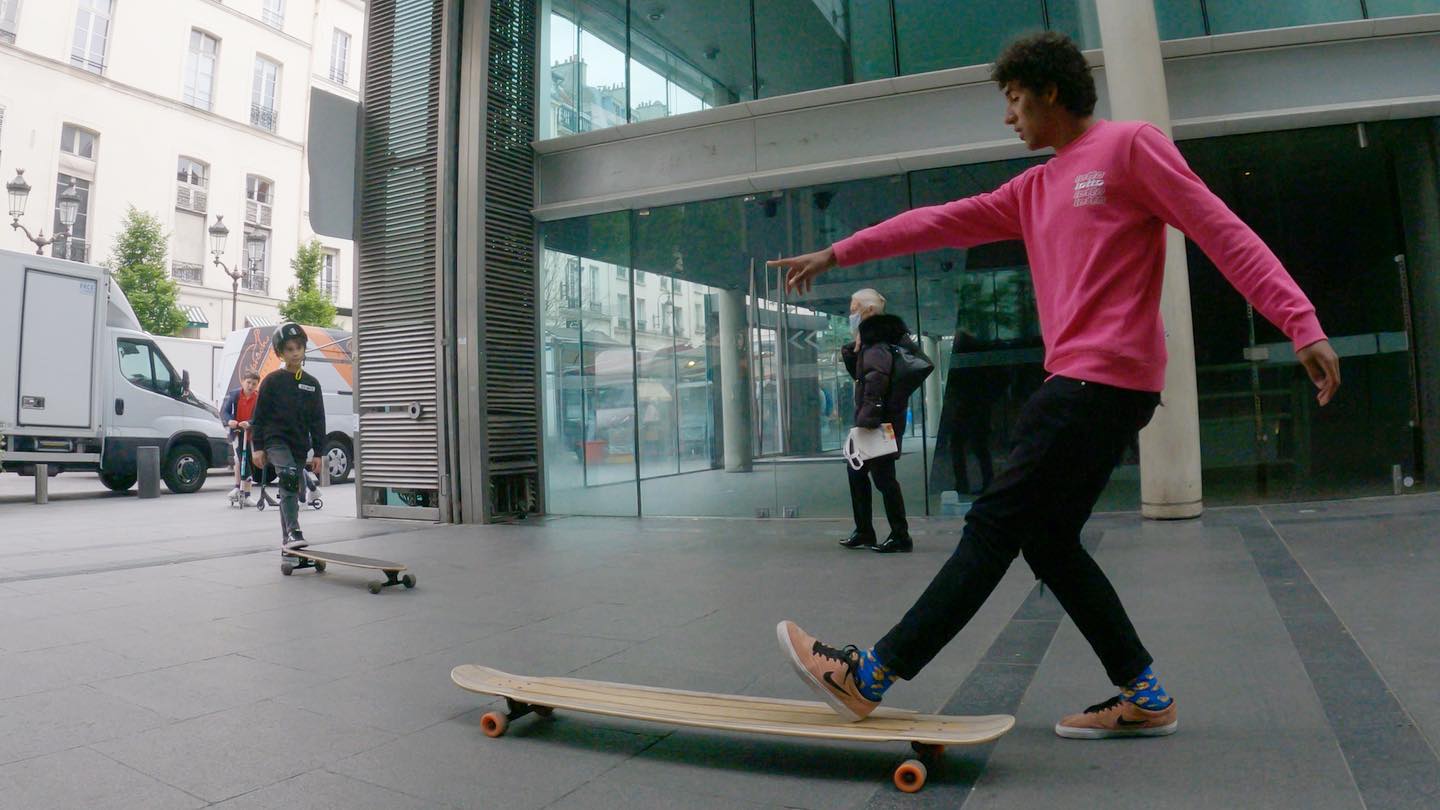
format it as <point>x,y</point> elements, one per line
<point>1037,61</point>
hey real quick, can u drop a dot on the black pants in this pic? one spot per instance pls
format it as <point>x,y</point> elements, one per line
<point>1071,436</point>
<point>973,434</point>
<point>882,472</point>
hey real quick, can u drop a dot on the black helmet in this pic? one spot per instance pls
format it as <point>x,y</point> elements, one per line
<point>284,332</point>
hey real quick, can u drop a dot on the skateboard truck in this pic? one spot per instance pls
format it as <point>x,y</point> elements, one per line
<point>495,723</point>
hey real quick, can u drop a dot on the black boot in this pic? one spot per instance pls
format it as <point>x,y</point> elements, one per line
<point>895,543</point>
<point>858,539</point>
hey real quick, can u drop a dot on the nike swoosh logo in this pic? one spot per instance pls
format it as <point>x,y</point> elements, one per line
<point>1119,721</point>
<point>831,683</point>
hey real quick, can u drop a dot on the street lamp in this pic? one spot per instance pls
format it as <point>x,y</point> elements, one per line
<point>68,203</point>
<point>218,234</point>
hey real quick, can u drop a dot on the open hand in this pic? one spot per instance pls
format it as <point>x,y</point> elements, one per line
<point>314,465</point>
<point>1323,366</point>
<point>800,271</point>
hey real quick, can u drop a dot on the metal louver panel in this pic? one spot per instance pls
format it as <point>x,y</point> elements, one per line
<point>396,334</point>
<point>512,417</point>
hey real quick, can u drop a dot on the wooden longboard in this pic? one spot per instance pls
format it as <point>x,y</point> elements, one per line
<point>310,558</point>
<point>927,733</point>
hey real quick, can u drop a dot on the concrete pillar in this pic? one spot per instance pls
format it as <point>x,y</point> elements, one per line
<point>148,471</point>
<point>42,483</point>
<point>1170,446</point>
<point>735,380</point>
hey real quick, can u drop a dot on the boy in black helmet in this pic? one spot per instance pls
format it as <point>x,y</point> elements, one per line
<point>289,420</point>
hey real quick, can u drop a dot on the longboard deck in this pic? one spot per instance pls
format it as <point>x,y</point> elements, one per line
<point>345,559</point>
<point>794,718</point>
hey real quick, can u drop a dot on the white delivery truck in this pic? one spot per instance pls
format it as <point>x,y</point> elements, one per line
<point>328,357</point>
<point>82,387</point>
<point>199,357</point>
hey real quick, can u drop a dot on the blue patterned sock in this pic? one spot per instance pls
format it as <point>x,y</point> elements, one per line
<point>1146,692</point>
<point>872,677</point>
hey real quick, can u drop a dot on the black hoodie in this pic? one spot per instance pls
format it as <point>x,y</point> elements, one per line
<point>875,403</point>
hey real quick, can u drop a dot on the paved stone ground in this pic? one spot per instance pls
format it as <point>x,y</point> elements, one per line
<point>152,656</point>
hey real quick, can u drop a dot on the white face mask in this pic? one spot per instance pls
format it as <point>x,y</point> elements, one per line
<point>855,322</point>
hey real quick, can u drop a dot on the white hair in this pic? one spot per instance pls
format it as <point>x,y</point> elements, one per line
<point>870,298</point>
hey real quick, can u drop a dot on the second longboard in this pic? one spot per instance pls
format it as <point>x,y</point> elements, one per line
<point>293,560</point>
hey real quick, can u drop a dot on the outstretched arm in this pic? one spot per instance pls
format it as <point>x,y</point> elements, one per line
<point>1166,185</point>
<point>990,217</point>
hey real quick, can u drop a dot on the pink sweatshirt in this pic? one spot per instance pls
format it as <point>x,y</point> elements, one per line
<point>1093,219</point>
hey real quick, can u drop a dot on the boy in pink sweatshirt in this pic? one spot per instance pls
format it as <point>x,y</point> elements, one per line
<point>1093,220</point>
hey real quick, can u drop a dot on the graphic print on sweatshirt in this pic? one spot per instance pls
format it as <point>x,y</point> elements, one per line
<point>1090,189</point>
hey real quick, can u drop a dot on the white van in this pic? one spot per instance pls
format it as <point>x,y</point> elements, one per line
<point>82,387</point>
<point>328,358</point>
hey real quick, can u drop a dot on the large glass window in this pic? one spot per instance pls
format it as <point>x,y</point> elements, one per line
<point>689,56</point>
<point>808,44</point>
<point>75,246</point>
<point>937,34</point>
<point>339,57</point>
<point>92,35</point>
<point>264,94</point>
<point>1395,8</point>
<point>200,69</point>
<point>1178,19</point>
<point>587,335</point>
<point>9,19</point>
<point>584,46</point>
<point>1228,16</point>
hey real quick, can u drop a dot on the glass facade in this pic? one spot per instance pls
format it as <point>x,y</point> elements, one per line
<point>613,62</point>
<point>681,379</point>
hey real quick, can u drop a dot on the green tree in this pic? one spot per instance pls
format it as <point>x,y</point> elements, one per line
<point>307,303</point>
<point>138,261</point>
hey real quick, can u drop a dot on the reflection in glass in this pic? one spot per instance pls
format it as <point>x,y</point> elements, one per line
<point>1396,8</point>
<point>689,56</point>
<point>938,34</point>
<point>1262,435</point>
<point>1229,16</point>
<point>1078,20</point>
<point>589,384</point>
<point>808,44</point>
<point>584,45</point>
<point>1178,19</point>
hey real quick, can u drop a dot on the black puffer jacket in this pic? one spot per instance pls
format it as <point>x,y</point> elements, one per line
<point>875,403</point>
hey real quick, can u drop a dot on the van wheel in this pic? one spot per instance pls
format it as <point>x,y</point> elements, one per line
<point>119,482</point>
<point>185,470</point>
<point>337,458</point>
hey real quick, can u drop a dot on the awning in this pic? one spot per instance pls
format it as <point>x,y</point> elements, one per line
<point>259,320</point>
<point>195,317</point>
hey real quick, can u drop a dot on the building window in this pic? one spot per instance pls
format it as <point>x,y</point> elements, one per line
<point>200,69</point>
<point>92,35</point>
<point>192,186</point>
<point>78,142</point>
<point>263,110</point>
<point>259,201</point>
<point>273,13</point>
<point>9,18</point>
<point>329,278</point>
<point>257,261</point>
<point>339,57</point>
<point>75,246</point>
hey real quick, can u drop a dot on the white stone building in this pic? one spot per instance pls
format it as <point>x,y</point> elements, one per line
<point>188,110</point>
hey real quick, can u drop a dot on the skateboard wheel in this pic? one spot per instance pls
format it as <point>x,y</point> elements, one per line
<point>319,567</point>
<point>543,711</point>
<point>287,569</point>
<point>408,580</point>
<point>927,749</point>
<point>375,587</point>
<point>910,776</point>
<point>493,724</point>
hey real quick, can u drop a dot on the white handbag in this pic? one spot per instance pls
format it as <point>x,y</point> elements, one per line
<point>868,443</point>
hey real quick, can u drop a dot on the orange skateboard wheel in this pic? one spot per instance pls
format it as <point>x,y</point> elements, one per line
<point>493,724</point>
<point>910,776</point>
